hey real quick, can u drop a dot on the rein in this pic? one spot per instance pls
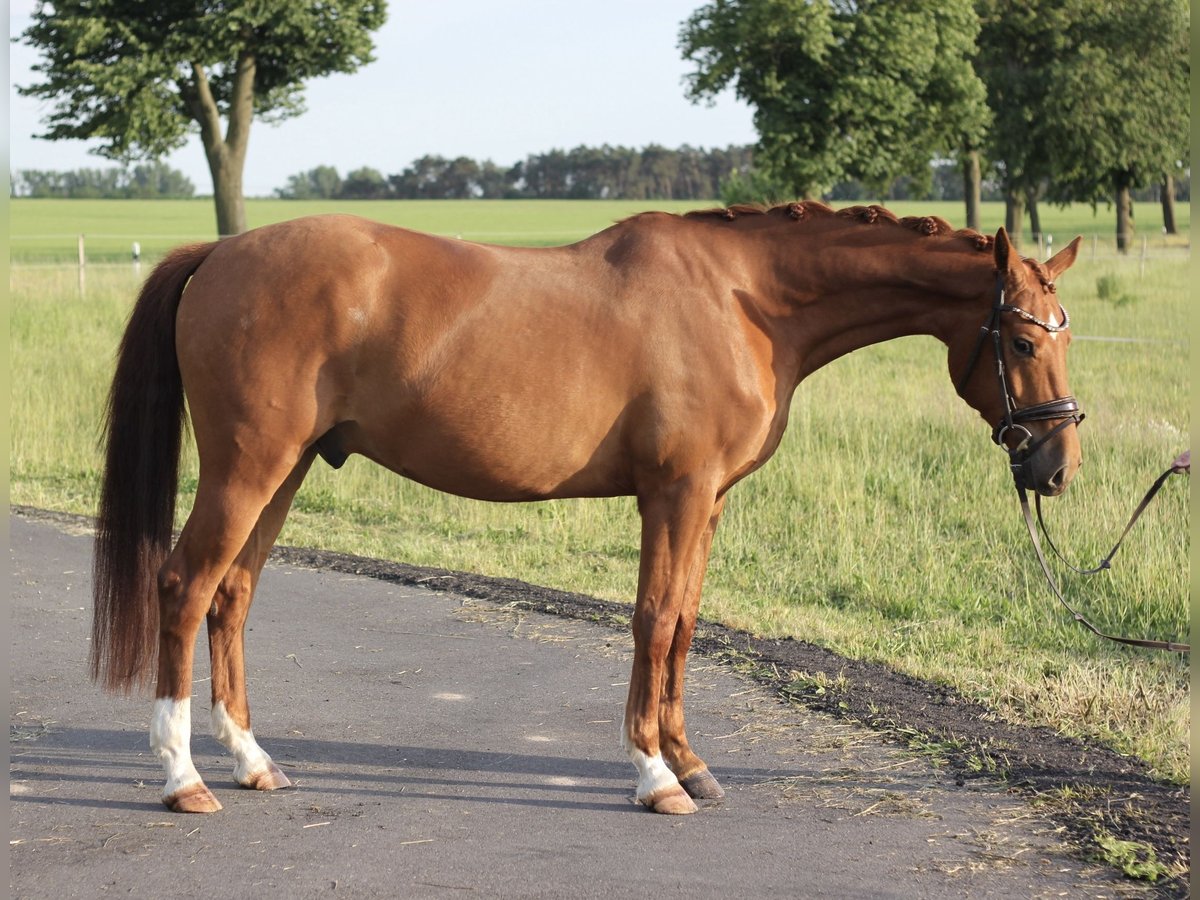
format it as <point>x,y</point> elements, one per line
<point>1180,466</point>
<point>1104,564</point>
<point>1067,409</point>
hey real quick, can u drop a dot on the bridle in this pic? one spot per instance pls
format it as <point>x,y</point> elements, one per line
<point>1065,408</point>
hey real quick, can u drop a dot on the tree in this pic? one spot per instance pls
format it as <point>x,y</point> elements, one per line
<point>1124,88</point>
<point>321,183</point>
<point>1166,196</point>
<point>1090,98</point>
<point>157,179</point>
<point>865,91</point>
<point>460,180</point>
<point>364,184</point>
<point>142,74</point>
<point>1017,42</point>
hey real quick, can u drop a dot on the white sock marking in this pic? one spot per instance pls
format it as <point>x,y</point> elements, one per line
<point>653,774</point>
<point>251,759</point>
<point>171,739</point>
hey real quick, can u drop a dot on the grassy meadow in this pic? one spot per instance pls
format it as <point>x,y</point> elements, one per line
<point>47,231</point>
<point>884,528</point>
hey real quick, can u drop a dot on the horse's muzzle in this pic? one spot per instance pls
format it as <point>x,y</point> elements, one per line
<point>1035,464</point>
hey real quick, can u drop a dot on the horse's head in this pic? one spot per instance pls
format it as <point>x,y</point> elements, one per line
<point>1014,370</point>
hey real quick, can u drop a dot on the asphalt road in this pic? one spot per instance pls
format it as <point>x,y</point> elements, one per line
<point>443,747</point>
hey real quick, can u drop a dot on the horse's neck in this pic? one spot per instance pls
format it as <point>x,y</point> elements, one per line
<point>836,298</point>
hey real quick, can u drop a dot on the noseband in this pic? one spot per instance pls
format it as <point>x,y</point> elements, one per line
<point>1065,408</point>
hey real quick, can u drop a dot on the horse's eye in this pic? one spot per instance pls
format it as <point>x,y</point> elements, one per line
<point>1022,347</point>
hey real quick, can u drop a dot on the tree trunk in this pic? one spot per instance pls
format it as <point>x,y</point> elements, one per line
<point>1168,204</point>
<point>1124,213</point>
<point>226,155</point>
<point>1014,215</point>
<point>1035,220</point>
<point>971,187</point>
<point>227,195</point>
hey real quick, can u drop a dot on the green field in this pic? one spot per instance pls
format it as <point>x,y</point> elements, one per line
<point>885,528</point>
<point>48,230</point>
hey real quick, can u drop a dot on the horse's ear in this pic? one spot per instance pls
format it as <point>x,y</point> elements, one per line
<point>1008,260</point>
<point>1063,259</point>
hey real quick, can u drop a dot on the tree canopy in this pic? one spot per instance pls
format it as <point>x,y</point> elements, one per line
<point>1067,99</point>
<point>1124,94</point>
<point>866,91</point>
<point>1091,98</point>
<point>141,75</point>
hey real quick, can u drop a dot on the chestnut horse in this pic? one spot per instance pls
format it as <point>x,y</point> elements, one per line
<point>657,359</point>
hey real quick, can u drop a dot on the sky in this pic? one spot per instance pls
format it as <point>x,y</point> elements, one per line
<point>478,78</point>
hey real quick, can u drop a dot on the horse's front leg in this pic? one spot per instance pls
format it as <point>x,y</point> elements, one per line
<point>689,768</point>
<point>675,520</point>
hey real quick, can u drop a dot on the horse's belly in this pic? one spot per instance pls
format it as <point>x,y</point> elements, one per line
<point>489,458</point>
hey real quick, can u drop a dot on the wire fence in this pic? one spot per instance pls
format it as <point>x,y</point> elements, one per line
<point>57,249</point>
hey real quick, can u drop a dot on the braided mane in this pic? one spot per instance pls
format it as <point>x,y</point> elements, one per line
<point>812,210</point>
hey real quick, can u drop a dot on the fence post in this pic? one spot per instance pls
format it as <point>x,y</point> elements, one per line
<point>82,265</point>
<point>1145,246</point>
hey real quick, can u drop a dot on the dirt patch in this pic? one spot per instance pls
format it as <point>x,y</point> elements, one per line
<point>1090,791</point>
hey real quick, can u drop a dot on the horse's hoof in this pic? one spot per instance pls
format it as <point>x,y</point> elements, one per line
<point>701,785</point>
<point>269,779</point>
<point>195,798</point>
<point>671,800</point>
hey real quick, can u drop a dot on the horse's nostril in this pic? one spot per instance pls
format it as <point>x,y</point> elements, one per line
<point>1058,480</point>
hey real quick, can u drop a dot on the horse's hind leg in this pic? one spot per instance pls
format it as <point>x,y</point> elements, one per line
<point>690,769</point>
<point>253,768</point>
<point>229,501</point>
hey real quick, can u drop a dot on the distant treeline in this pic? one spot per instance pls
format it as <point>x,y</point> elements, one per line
<point>614,173</point>
<point>585,173</point>
<point>155,180</point>
<point>603,173</point>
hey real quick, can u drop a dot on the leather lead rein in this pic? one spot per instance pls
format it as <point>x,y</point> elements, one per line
<point>1079,617</point>
<point>1176,469</point>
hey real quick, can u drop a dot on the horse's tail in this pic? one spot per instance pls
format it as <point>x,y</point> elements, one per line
<point>143,431</point>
